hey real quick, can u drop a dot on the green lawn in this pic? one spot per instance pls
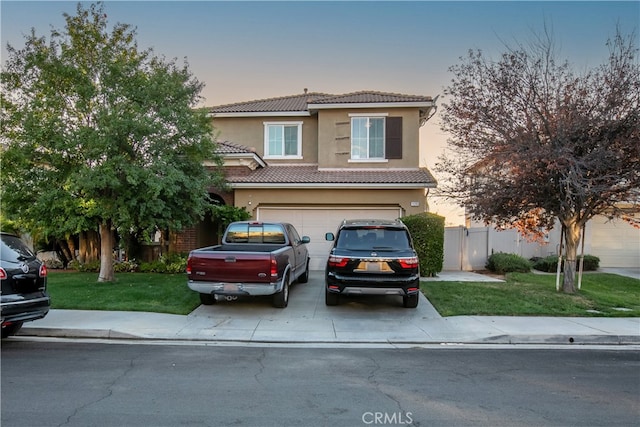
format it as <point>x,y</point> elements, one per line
<point>162,293</point>
<point>528,294</point>
<point>521,295</point>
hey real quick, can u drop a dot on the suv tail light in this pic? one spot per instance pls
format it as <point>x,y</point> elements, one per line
<point>408,262</point>
<point>335,261</point>
<point>43,271</point>
<point>3,274</point>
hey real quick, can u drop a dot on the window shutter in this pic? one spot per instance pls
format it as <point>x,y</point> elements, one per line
<point>393,138</point>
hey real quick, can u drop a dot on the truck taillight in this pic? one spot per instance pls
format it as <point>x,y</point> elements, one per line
<point>43,271</point>
<point>335,261</point>
<point>274,268</point>
<point>189,265</point>
<point>408,262</point>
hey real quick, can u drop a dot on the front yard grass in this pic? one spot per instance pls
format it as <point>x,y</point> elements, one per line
<point>528,294</point>
<point>523,294</point>
<point>153,292</point>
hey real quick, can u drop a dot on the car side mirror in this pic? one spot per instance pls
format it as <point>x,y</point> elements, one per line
<point>329,237</point>
<point>305,239</point>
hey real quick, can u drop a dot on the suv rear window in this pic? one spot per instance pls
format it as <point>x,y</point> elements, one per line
<point>13,249</point>
<point>366,238</point>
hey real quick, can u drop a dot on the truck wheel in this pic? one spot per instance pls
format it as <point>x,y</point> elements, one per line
<point>330,298</point>
<point>410,301</point>
<point>207,299</point>
<point>281,299</point>
<point>305,276</point>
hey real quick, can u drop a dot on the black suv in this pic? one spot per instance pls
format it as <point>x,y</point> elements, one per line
<point>372,257</point>
<point>24,285</point>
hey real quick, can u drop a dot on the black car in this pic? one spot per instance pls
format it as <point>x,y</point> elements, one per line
<point>372,257</point>
<point>24,285</point>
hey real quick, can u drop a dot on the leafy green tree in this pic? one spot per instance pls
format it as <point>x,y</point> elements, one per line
<point>98,134</point>
<point>534,143</point>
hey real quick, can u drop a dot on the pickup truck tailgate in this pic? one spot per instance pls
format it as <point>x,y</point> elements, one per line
<point>236,267</point>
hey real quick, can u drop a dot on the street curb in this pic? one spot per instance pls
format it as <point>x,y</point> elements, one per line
<point>498,339</point>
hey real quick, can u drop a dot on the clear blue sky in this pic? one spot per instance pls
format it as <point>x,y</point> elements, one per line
<point>251,50</point>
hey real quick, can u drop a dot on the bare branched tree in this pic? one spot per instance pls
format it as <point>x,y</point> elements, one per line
<point>534,143</point>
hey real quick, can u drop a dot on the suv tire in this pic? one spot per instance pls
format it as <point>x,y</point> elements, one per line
<point>410,301</point>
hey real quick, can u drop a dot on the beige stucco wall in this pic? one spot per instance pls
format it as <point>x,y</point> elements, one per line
<point>249,131</point>
<point>334,128</point>
<point>253,198</point>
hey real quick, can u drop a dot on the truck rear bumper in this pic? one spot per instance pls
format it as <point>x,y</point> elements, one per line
<point>223,288</point>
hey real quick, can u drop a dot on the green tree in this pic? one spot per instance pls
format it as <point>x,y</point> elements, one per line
<point>533,142</point>
<point>100,135</point>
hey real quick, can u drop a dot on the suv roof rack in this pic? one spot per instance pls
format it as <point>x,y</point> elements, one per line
<point>371,222</point>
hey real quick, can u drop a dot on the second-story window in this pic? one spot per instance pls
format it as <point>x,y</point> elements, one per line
<point>283,140</point>
<point>367,138</point>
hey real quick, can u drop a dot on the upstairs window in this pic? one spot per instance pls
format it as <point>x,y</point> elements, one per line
<point>283,140</point>
<point>367,138</point>
<point>375,138</point>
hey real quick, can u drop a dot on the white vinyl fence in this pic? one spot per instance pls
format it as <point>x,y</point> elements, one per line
<point>467,249</point>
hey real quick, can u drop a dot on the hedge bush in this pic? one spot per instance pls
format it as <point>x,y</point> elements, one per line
<point>502,263</point>
<point>550,264</point>
<point>427,233</point>
<point>169,264</point>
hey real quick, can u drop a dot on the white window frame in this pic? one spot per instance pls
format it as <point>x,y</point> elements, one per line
<point>268,155</point>
<point>367,159</point>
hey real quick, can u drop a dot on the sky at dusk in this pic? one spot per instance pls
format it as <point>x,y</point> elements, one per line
<point>252,50</point>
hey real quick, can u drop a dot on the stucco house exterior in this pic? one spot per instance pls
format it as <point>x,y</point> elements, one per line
<point>314,159</point>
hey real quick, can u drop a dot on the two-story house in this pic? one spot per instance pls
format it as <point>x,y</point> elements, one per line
<point>315,159</point>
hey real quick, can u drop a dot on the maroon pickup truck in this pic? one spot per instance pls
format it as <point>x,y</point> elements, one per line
<point>255,258</point>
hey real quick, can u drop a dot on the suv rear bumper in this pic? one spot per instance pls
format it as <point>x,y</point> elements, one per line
<point>348,285</point>
<point>23,308</point>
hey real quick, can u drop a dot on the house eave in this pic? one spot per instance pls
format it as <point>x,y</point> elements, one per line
<point>429,104</point>
<point>261,114</point>
<point>331,186</point>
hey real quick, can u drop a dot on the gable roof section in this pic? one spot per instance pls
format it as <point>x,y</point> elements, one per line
<point>310,176</point>
<point>307,103</point>
<point>286,105</point>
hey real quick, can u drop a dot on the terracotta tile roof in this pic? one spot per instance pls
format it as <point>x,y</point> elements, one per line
<point>300,103</point>
<point>285,103</point>
<point>370,97</point>
<point>228,147</point>
<point>310,174</point>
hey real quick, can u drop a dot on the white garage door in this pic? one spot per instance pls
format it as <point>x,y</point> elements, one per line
<point>615,242</point>
<point>315,222</point>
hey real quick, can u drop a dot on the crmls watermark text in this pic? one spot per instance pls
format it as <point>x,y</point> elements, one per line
<point>382,418</point>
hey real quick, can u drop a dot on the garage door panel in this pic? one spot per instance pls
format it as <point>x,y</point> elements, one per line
<point>315,222</point>
<point>615,242</point>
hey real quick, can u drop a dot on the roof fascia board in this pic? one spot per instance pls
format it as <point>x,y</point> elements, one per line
<point>331,185</point>
<point>262,114</point>
<point>249,156</point>
<point>347,105</point>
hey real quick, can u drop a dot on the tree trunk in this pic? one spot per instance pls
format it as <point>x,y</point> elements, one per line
<point>106,252</point>
<point>571,239</point>
<point>89,246</point>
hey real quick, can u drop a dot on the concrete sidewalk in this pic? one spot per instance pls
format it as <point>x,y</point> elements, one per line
<point>357,320</point>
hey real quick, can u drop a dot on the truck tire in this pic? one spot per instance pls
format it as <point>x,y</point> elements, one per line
<point>330,298</point>
<point>207,299</point>
<point>410,301</point>
<point>304,278</point>
<point>281,299</point>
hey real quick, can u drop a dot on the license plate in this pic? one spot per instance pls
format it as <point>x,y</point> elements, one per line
<point>373,266</point>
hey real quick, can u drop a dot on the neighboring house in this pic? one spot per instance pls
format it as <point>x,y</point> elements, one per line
<point>614,241</point>
<point>315,159</point>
